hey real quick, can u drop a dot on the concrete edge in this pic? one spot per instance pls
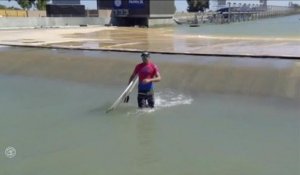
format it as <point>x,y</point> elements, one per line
<point>287,57</point>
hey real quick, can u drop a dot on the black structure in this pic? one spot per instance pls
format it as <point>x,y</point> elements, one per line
<point>137,12</point>
<point>65,10</point>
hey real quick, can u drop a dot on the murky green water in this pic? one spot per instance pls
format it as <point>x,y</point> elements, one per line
<point>60,128</point>
<point>214,115</point>
<point>52,112</point>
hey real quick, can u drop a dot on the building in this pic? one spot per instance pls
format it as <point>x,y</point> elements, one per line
<point>139,12</point>
<point>65,8</point>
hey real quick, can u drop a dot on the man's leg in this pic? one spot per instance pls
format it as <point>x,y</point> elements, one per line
<point>142,100</point>
<point>150,100</point>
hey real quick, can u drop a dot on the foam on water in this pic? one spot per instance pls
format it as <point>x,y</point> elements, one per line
<point>170,99</point>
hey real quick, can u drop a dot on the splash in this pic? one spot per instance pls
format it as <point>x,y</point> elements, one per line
<point>170,99</point>
<point>165,99</point>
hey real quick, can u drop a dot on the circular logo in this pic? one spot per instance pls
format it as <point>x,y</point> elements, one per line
<point>10,152</point>
<point>118,3</point>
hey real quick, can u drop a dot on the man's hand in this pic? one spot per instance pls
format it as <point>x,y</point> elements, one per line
<point>126,99</point>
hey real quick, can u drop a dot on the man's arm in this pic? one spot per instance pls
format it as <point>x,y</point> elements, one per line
<point>132,77</point>
<point>156,78</point>
<point>126,100</point>
<point>134,73</point>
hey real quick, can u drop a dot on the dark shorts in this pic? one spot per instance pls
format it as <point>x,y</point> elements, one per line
<point>146,99</point>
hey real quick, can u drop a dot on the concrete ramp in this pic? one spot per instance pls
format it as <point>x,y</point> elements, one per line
<point>190,74</point>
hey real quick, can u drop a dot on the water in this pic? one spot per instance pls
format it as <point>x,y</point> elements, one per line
<point>60,128</point>
<point>273,37</point>
<point>213,115</point>
<point>53,106</point>
<point>287,28</point>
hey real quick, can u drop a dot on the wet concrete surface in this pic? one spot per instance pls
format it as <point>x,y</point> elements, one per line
<point>165,39</point>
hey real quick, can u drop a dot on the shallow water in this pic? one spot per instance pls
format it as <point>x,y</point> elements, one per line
<point>60,127</point>
<point>53,106</point>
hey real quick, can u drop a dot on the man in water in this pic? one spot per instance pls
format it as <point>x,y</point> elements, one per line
<point>148,73</point>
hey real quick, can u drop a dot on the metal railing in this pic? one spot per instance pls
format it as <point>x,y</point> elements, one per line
<point>234,14</point>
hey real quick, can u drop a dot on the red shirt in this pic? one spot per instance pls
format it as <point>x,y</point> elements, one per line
<point>145,70</point>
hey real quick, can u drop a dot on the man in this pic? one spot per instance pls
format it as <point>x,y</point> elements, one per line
<point>148,73</point>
